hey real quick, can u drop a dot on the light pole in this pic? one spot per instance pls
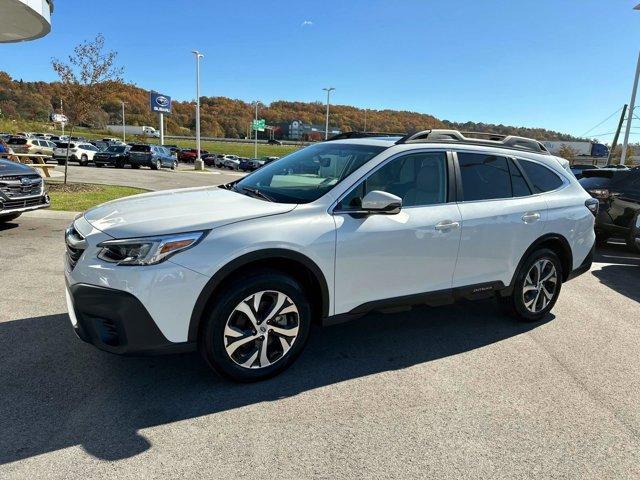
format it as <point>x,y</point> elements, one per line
<point>198,163</point>
<point>632,103</point>
<point>255,132</point>
<point>326,126</point>
<point>124,136</point>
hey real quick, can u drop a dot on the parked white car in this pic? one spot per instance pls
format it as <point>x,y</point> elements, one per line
<point>82,153</point>
<point>231,161</point>
<point>326,234</point>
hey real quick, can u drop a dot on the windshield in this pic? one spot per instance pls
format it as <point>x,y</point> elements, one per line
<point>113,149</point>
<point>306,175</point>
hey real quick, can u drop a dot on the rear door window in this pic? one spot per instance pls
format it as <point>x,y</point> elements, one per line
<point>518,183</point>
<point>484,177</point>
<point>541,178</point>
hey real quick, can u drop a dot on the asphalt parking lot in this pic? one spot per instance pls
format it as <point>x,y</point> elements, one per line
<point>146,178</point>
<point>447,392</point>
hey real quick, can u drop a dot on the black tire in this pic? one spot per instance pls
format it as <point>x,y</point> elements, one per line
<point>119,164</point>
<point>8,218</point>
<point>84,160</point>
<point>211,339</point>
<point>174,165</point>
<point>157,165</point>
<point>99,165</point>
<point>135,166</point>
<point>60,162</point>
<point>514,304</point>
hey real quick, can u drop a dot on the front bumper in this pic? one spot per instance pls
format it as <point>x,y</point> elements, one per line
<point>10,206</point>
<point>116,321</point>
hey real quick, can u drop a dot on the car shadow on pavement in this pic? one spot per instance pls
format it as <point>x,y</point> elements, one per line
<point>58,392</point>
<point>622,273</point>
<point>8,225</point>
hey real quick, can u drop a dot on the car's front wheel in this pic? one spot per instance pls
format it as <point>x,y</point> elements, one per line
<point>536,287</point>
<point>84,160</point>
<point>174,165</point>
<point>257,327</point>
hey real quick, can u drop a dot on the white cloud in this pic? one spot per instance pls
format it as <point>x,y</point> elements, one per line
<point>306,23</point>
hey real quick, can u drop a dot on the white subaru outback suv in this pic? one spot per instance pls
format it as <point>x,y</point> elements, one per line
<point>325,234</point>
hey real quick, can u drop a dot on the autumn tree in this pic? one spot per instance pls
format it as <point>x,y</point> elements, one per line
<point>87,79</point>
<point>567,152</point>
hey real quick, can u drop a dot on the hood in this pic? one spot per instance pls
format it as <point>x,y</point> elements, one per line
<point>7,167</point>
<point>175,211</point>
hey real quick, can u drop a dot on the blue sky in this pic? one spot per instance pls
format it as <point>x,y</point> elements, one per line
<point>559,64</point>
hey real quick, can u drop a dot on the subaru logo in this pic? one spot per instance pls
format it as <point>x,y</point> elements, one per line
<point>25,181</point>
<point>162,101</point>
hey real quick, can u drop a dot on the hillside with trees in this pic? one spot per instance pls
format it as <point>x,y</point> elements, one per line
<point>226,117</point>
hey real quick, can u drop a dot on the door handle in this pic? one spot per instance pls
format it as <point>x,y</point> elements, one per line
<point>446,225</point>
<point>531,217</point>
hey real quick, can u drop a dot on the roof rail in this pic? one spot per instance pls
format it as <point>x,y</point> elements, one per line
<point>470,138</point>
<point>347,135</point>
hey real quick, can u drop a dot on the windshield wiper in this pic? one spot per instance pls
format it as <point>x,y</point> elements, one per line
<point>257,193</point>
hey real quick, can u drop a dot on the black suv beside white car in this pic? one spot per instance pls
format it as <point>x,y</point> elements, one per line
<point>21,190</point>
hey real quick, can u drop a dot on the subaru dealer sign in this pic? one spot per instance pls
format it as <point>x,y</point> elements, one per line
<point>160,103</point>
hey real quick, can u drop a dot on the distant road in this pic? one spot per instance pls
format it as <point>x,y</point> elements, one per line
<point>235,140</point>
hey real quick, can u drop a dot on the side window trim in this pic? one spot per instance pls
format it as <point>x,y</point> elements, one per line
<point>363,180</point>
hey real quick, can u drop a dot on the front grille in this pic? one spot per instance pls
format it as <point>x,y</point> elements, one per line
<point>75,246</point>
<point>17,186</point>
<point>27,202</point>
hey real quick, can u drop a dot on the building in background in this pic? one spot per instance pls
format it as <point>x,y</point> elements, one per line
<point>22,20</point>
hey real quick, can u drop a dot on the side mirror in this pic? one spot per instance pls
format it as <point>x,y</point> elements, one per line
<point>381,202</point>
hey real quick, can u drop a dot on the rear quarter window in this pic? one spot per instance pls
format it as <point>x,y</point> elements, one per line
<point>542,179</point>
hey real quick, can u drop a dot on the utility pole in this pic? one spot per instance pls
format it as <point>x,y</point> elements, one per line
<point>365,121</point>
<point>632,104</point>
<point>615,137</point>
<point>326,127</point>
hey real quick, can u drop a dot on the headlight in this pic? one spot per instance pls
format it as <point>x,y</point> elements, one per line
<point>147,250</point>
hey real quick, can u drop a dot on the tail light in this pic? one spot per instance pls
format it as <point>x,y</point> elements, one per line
<point>593,205</point>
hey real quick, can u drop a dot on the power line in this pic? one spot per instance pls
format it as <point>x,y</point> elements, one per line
<point>596,126</point>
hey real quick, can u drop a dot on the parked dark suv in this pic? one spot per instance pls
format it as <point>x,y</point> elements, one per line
<point>116,156</point>
<point>618,192</point>
<point>152,156</point>
<point>21,190</point>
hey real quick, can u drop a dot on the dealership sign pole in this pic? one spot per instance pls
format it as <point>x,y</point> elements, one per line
<point>161,104</point>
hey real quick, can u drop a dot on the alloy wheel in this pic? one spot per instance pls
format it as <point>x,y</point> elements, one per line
<point>261,329</point>
<point>540,285</point>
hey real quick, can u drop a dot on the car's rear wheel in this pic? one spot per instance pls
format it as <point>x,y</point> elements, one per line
<point>257,327</point>
<point>536,287</point>
<point>119,164</point>
<point>174,165</point>
<point>60,162</point>
<point>98,164</point>
<point>135,165</point>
